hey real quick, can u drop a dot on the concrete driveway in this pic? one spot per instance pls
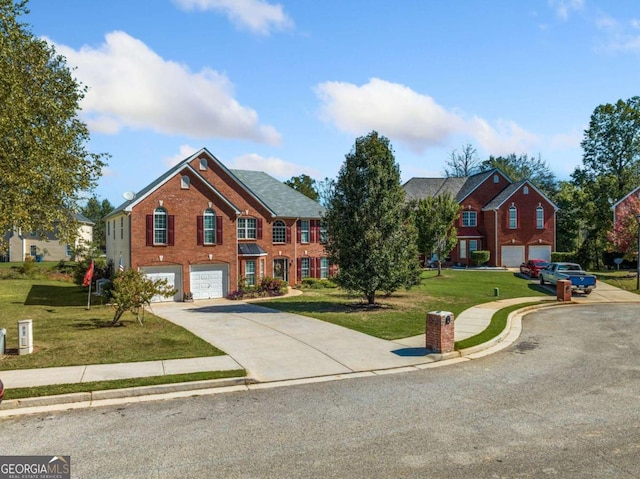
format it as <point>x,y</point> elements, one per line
<point>272,345</point>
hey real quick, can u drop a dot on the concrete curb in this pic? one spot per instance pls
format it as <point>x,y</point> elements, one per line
<point>34,405</point>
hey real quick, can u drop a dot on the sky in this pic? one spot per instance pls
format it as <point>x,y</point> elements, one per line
<point>286,86</point>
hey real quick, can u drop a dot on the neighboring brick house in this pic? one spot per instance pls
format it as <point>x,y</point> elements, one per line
<point>48,247</point>
<point>513,221</point>
<point>203,227</point>
<point>628,202</point>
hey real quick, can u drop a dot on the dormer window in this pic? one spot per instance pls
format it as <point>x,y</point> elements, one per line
<point>496,179</point>
<point>185,182</point>
<point>203,164</point>
<point>525,190</point>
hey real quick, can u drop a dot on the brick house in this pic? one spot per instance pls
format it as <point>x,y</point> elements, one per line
<point>626,201</point>
<point>203,227</point>
<point>514,221</point>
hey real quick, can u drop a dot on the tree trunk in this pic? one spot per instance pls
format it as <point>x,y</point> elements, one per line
<point>371,298</point>
<point>439,268</point>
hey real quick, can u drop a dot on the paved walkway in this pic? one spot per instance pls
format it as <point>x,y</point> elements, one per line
<point>274,346</point>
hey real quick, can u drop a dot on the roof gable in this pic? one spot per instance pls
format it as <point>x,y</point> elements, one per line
<point>510,190</point>
<point>615,205</point>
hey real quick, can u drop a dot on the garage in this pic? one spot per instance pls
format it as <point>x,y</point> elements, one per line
<point>173,275</point>
<point>209,281</point>
<point>540,252</point>
<point>512,256</point>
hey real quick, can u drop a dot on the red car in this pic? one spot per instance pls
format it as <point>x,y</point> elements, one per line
<point>532,267</point>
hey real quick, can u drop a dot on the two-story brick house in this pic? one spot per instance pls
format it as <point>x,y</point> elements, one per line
<point>513,221</point>
<point>203,227</point>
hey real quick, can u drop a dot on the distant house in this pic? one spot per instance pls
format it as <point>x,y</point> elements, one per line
<point>627,200</point>
<point>513,221</point>
<point>23,245</point>
<point>205,227</point>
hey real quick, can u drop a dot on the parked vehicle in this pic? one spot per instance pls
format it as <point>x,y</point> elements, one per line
<point>581,281</point>
<point>532,267</point>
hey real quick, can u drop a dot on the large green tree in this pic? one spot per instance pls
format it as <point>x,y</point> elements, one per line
<point>305,185</point>
<point>96,210</point>
<point>46,167</point>
<point>371,231</point>
<point>435,219</point>
<point>610,170</point>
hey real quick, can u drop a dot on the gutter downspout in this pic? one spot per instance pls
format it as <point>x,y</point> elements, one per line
<point>495,225</point>
<point>295,252</point>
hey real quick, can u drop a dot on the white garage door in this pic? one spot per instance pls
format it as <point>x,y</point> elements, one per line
<point>540,252</point>
<point>512,256</point>
<point>173,276</point>
<point>209,281</point>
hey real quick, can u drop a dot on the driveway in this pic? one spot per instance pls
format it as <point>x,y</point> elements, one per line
<point>272,345</point>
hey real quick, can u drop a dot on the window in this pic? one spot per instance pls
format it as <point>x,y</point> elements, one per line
<point>250,272</point>
<point>279,232</point>
<point>108,228</point>
<point>304,268</point>
<point>114,229</point>
<point>473,245</point>
<point>69,251</point>
<point>33,250</point>
<point>185,181</point>
<point>209,227</point>
<point>513,217</point>
<point>203,163</point>
<point>463,249</point>
<point>525,190</point>
<point>159,226</point>
<point>323,232</point>
<point>262,268</point>
<point>247,228</point>
<point>469,218</point>
<point>324,268</point>
<point>496,179</point>
<point>540,217</point>
<point>121,227</point>
<point>304,231</point>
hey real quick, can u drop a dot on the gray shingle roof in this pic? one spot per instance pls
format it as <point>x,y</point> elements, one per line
<point>504,195</point>
<point>458,187</point>
<point>283,200</point>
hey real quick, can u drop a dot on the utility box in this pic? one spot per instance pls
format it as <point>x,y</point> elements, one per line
<point>25,337</point>
<point>3,340</point>
<point>440,332</point>
<point>563,290</point>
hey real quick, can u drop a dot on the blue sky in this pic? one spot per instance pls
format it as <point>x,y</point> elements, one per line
<point>287,86</point>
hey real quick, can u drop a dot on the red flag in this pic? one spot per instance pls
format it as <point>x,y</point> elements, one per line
<point>88,276</point>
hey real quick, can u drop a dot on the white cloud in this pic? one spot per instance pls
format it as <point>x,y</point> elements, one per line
<point>258,16</point>
<point>414,119</point>
<point>273,166</point>
<point>132,86</point>
<point>185,151</point>
<point>564,7</point>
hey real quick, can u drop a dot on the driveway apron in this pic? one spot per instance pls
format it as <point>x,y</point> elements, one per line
<point>272,345</point>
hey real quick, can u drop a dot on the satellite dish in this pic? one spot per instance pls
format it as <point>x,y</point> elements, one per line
<point>128,195</point>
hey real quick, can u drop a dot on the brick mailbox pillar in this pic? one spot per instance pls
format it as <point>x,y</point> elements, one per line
<point>440,332</point>
<point>563,290</point>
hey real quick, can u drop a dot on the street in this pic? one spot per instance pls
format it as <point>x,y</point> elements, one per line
<point>562,401</point>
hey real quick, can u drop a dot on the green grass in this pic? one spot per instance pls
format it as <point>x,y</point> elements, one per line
<point>620,279</point>
<point>497,325</point>
<point>57,389</point>
<point>403,313</point>
<point>65,333</point>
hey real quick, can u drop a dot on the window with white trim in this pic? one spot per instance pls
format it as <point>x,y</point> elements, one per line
<point>33,249</point>
<point>247,228</point>
<point>69,250</point>
<point>540,217</point>
<point>279,232</point>
<point>473,245</point>
<point>203,164</point>
<point>185,181</point>
<point>250,272</point>
<point>304,267</point>
<point>160,227</point>
<point>463,249</point>
<point>513,217</point>
<point>304,231</point>
<point>324,268</point>
<point>209,226</point>
<point>469,218</point>
<point>525,190</point>
<point>323,232</point>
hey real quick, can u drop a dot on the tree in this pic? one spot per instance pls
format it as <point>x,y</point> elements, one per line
<point>463,164</point>
<point>132,290</point>
<point>524,167</point>
<point>46,167</point>
<point>96,210</point>
<point>435,220</point>
<point>610,169</point>
<point>370,229</point>
<point>624,234</point>
<point>325,190</point>
<point>305,185</point>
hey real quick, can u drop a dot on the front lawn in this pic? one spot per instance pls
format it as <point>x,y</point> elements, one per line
<point>403,313</point>
<point>65,333</point>
<point>620,279</point>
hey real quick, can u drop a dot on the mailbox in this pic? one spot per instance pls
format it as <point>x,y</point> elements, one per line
<point>25,337</point>
<point>440,332</point>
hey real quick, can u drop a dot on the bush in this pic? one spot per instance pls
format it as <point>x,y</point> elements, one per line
<point>563,257</point>
<point>480,257</point>
<point>315,283</point>
<point>100,270</point>
<point>268,287</point>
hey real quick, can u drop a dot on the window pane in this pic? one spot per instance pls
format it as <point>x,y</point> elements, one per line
<point>324,268</point>
<point>539,217</point>
<point>304,266</point>
<point>279,232</point>
<point>160,226</point>
<point>304,231</point>
<point>209,227</point>
<point>250,272</point>
<point>513,218</point>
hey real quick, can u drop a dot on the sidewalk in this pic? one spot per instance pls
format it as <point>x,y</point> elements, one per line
<point>274,346</point>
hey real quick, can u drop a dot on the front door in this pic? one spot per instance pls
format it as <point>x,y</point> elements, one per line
<point>280,269</point>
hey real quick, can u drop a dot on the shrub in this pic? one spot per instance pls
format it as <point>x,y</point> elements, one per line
<point>563,257</point>
<point>480,257</point>
<point>100,269</point>
<point>268,287</point>
<point>315,283</point>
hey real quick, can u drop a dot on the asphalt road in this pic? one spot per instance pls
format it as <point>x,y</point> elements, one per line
<point>563,401</point>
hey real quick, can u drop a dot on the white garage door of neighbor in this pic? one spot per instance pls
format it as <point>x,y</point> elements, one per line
<point>512,256</point>
<point>171,274</point>
<point>209,281</point>
<point>540,252</point>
